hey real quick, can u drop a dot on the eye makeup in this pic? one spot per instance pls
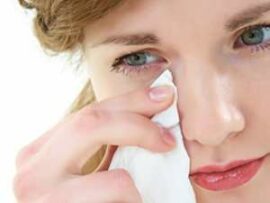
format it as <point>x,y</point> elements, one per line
<point>254,38</point>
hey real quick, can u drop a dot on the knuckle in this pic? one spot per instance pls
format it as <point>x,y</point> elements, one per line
<point>21,156</point>
<point>97,116</point>
<point>55,197</point>
<point>64,192</point>
<point>132,121</point>
<point>140,125</point>
<point>121,179</point>
<point>24,154</point>
<point>145,91</point>
<point>143,94</point>
<point>90,119</point>
<point>24,184</point>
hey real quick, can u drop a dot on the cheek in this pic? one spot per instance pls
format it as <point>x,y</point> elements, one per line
<point>252,91</point>
<point>107,84</point>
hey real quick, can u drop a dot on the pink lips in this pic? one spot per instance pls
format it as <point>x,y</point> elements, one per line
<point>226,177</point>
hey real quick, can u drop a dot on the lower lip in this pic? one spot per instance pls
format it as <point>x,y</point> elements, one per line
<point>229,179</point>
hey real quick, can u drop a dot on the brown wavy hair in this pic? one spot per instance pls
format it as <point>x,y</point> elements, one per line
<point>58,26</point>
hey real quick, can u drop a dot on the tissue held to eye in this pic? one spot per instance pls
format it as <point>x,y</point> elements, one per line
<point>160,177</point>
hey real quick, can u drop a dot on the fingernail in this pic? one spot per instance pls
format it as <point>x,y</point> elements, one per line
<point>167,137</point>
<point>160,93</point>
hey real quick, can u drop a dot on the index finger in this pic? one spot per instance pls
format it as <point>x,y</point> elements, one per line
<point>139,101</point>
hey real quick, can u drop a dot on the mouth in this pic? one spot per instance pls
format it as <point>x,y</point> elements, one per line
<point>234,174</point>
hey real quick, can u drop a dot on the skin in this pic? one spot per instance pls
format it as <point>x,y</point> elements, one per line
<point>50,168</point>
<point>223,97</point>
<point>223,91</point>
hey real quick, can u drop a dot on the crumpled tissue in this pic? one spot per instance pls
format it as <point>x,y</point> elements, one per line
<point>159,177</point>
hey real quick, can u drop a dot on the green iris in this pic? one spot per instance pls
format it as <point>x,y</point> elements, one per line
<point>137,59</point>
<point>253,36</point>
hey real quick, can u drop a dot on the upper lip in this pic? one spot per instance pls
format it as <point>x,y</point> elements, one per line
<point>222,168</point>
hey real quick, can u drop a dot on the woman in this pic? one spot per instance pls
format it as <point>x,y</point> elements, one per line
<point>218,54</point>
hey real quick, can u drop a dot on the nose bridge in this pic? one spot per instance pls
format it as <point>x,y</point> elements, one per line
<point>210,115</point>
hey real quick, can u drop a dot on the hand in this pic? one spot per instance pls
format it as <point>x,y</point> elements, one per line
<point>49,169</point>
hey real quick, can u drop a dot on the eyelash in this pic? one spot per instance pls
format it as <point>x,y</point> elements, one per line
<point>259,47</point>
<point>118,67</point>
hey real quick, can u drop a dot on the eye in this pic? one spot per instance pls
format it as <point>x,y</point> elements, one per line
<point>257,37</point>
<point>136,62</point>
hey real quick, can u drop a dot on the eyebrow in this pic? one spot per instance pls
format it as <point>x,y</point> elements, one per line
<point>132,39</point>
<point>245,17</point>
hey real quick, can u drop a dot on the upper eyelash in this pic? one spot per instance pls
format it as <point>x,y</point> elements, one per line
<point>254,48</point>
<point>126,71</point>
<point>260,25</point>
<point>119,59</point>
<point>250,27</point>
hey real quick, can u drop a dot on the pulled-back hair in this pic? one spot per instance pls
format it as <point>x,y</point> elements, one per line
<point>58,26</point>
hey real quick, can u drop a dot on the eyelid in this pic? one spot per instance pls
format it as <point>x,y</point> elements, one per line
<point>125,54</point>
<point>145,50</point>
<point>237,36</point>
<point>249,27</point>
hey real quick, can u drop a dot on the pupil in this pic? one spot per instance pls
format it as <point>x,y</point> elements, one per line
<point>253,36</point>
<point>136,59</point>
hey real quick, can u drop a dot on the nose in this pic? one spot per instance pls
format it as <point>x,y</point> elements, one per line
<point>209,112</point>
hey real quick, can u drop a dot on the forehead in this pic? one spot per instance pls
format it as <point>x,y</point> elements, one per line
<point>168,16</point>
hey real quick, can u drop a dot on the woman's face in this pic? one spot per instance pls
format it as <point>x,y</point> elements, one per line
<point>221,67</point>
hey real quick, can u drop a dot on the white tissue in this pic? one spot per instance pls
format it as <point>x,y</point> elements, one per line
<point>159,177</point>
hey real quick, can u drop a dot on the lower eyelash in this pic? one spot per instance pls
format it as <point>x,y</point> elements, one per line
<point>126,71</point>
<point>253,48</point>
<point>260,47</point>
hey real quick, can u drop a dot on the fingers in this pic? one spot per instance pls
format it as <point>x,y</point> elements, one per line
<point>146,101</point>
<point>31,149</point>
<point>139,101</point>
<point>80,138</point>
<point>60,153</point>
<point>106,186</point>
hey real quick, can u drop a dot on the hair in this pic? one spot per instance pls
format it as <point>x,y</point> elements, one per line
<point>58,26</point>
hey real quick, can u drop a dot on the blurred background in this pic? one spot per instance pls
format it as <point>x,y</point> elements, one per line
<point>36,90</point>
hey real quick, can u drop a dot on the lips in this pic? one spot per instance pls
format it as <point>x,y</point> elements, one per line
<point>227,177</point>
